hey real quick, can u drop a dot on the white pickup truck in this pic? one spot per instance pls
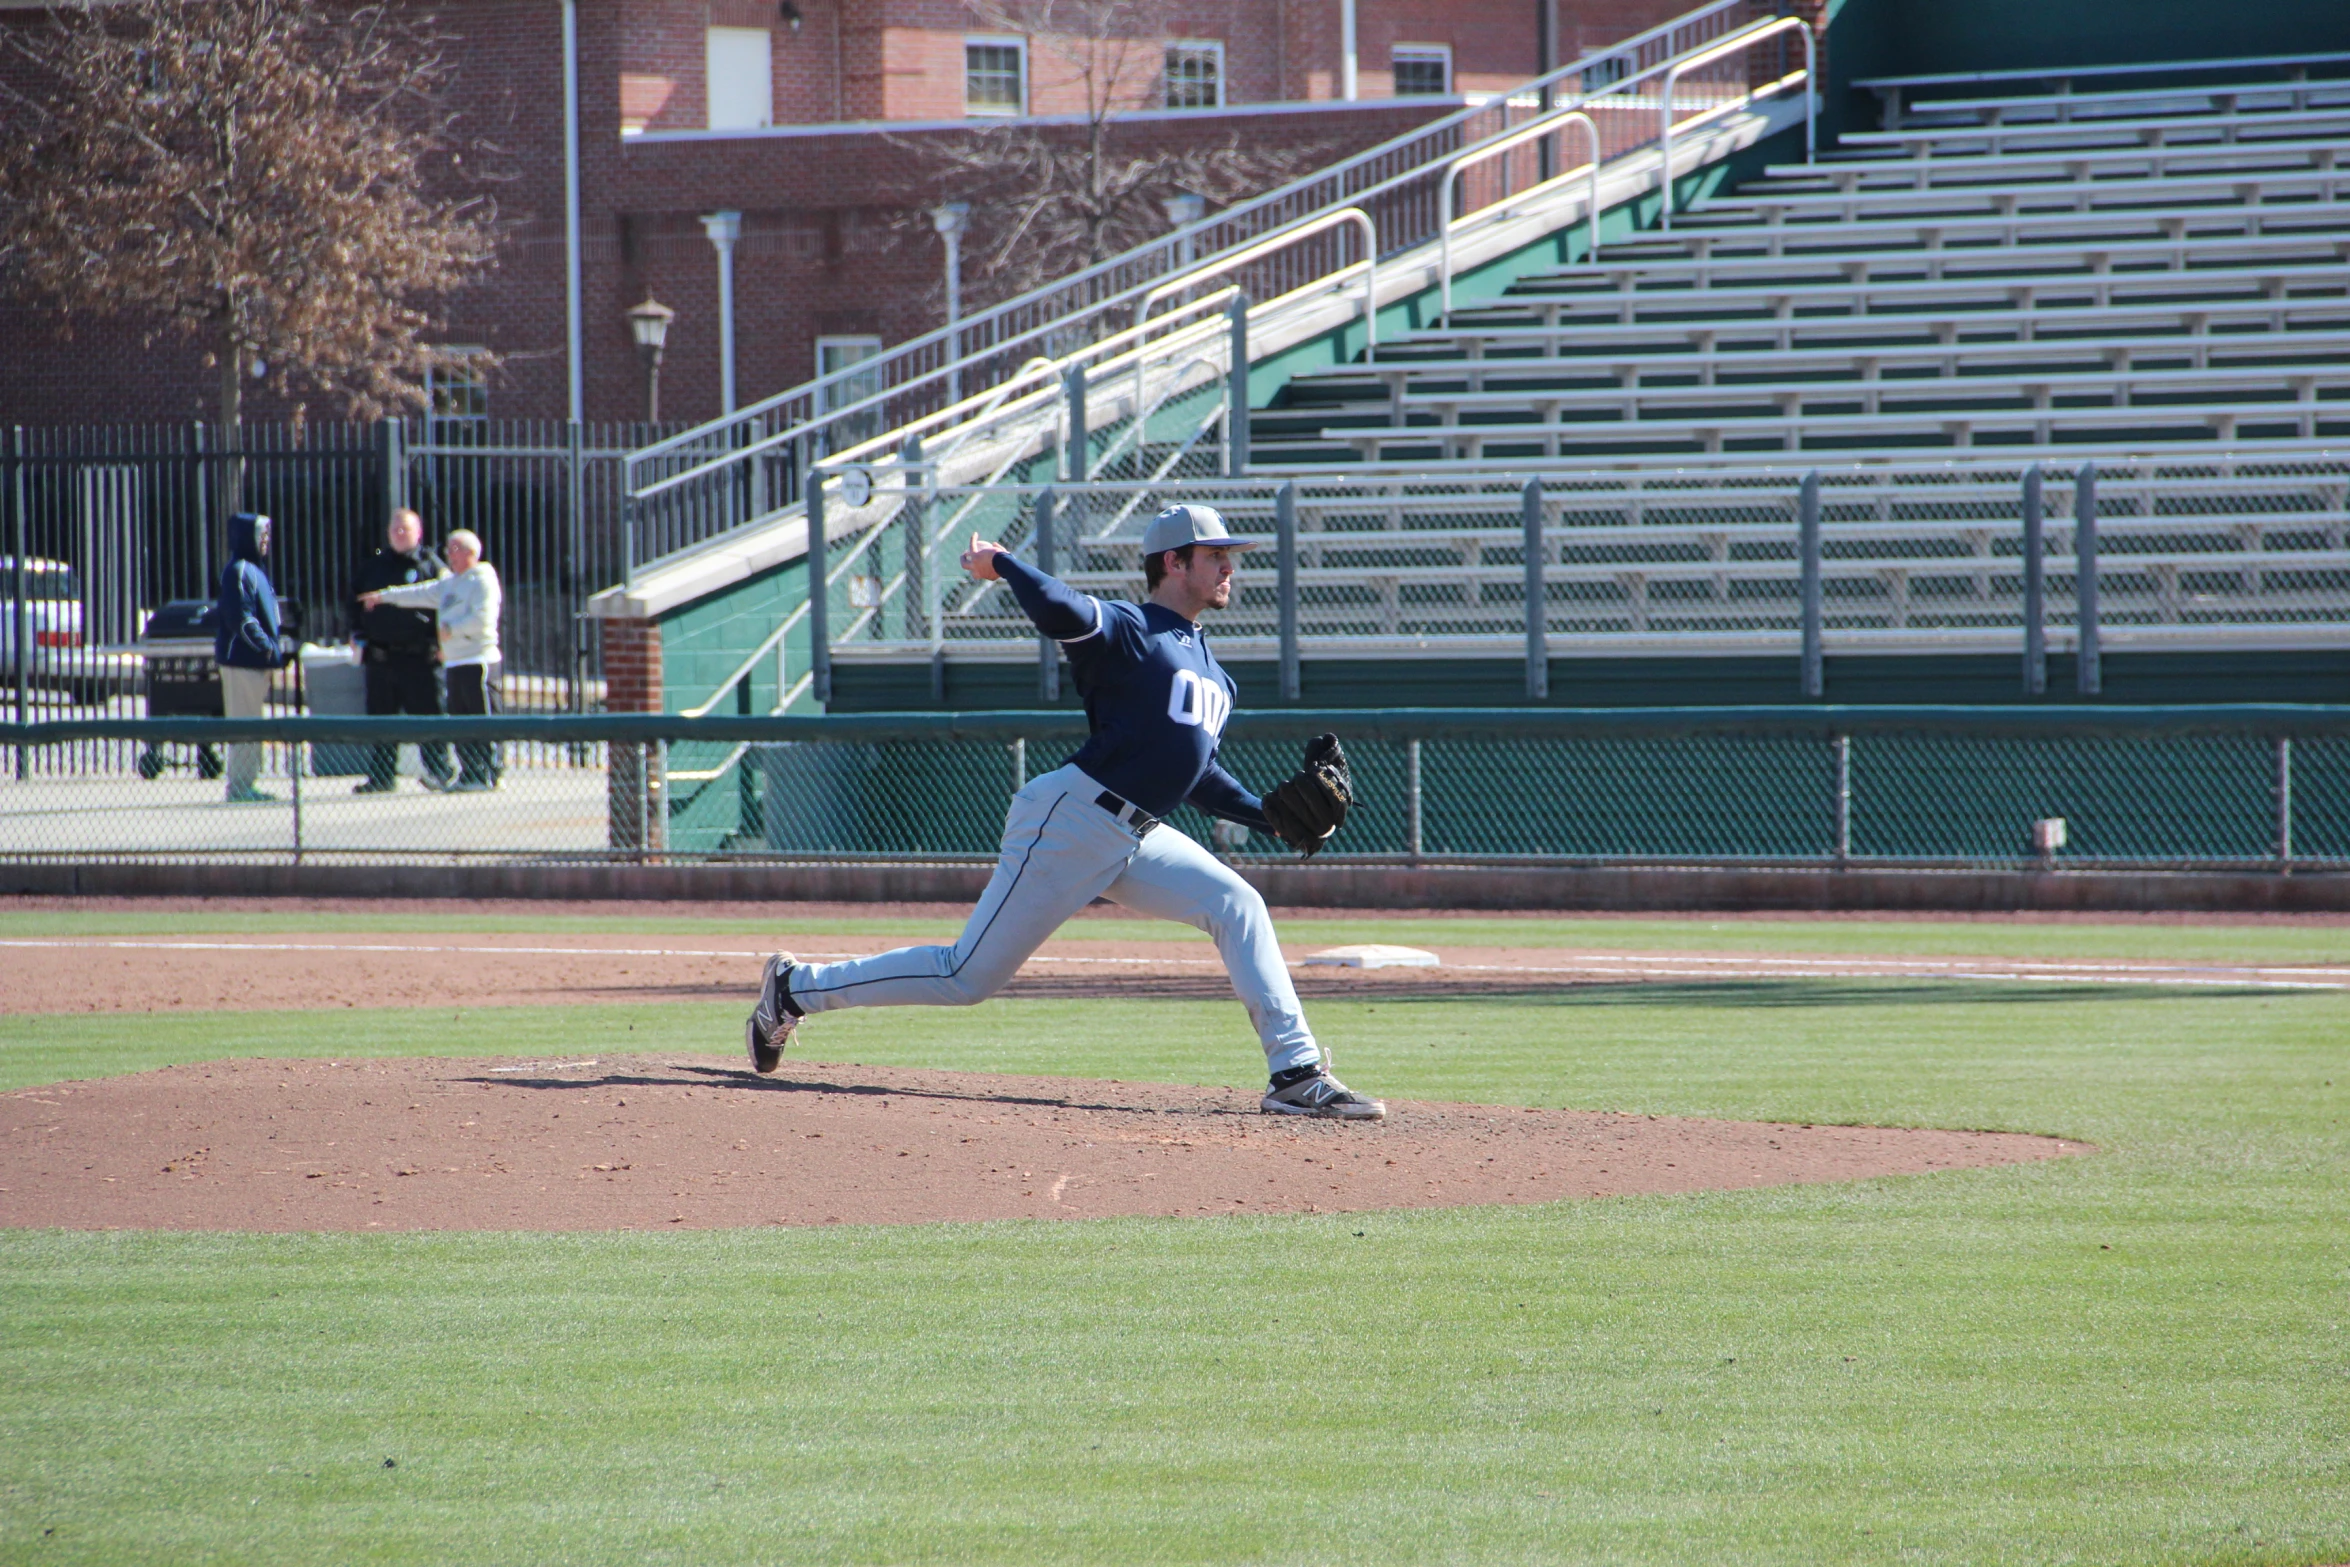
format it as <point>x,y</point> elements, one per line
<point>56,656</point>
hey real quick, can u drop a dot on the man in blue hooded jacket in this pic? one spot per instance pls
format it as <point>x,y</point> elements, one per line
<point>247,643</point>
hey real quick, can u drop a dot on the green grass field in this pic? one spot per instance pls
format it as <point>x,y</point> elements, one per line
<point>2141,1356</point>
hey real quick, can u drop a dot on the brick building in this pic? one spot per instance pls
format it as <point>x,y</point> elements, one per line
<point>804,118</point>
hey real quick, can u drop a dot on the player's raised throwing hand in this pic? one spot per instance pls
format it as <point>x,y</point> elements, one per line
<point>979,559</point>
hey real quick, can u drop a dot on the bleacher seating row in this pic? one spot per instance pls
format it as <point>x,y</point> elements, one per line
<point>2147,268</point>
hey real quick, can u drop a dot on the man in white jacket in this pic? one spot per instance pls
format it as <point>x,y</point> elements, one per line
<point>467,601</point>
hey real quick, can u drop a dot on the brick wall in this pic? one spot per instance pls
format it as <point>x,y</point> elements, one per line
<point>827,245</point>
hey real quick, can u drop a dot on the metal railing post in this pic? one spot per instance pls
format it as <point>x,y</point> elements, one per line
<point>657,799</point>
<point>294,792</point>
<point>1236,391</point>
<point>391,450</point>
<point>575,569</point>
<point>1076,461</point>
<point>642,758</point>
<point>1019,765</point>
<point>1807,513</point>
<point>819,596</point>
<point>755,476</point>
<point>1077,452</point>
<point>1285,566</point>
<point>921,559</point>
<point>1843,802</point>
<point>1411,797</point>
<point>1537,596</point>
<point>630,508</point>
<point>2035,588</point>
<point>20,612</point>
<point>1048,654</point>
<point>2284,805</point>
<point>2090,674</point>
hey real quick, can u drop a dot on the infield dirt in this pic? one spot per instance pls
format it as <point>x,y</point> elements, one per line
<point>658,1141</point>
<point>605,1141</point>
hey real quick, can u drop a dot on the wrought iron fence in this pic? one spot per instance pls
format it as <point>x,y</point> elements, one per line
<point>2245,787</point>
<point>113,521</point>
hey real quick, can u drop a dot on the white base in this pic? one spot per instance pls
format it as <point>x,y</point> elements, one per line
<point>1372,955</point>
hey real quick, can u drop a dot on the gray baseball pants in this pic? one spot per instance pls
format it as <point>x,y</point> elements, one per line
<point>1061,851</point>
<point>243,694</point>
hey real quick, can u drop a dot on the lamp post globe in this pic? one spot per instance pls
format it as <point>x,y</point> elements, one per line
<point>648,325</point>
<point>1183,209</point>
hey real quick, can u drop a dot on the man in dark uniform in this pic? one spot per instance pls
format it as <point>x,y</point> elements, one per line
<point>401,650</point>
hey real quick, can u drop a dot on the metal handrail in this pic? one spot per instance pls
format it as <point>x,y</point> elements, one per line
<point>1551,123</point>
<point>1736,41</point>
<point>1280,239</point>
<point>1076,285</point>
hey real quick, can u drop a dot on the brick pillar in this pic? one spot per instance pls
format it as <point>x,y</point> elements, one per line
<point>632,665</point>
<point>636,811</point>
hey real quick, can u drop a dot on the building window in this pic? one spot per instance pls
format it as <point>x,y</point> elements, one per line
<point>995,76</point>
<point>458,391</point>
<point>741,78</point>
<point>844,353</point>
<point>1422,70</point>
<point>1195,75</point>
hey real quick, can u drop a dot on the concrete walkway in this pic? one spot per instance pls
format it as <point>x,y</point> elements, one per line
<point>537,809</point>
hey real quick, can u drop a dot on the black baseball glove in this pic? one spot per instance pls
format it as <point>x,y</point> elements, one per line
<point>1307,808</point>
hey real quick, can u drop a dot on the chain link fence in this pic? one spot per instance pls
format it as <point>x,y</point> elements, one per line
<point>2232,787</point>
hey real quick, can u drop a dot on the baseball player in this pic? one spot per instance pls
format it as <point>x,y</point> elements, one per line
<point>1156,702</point>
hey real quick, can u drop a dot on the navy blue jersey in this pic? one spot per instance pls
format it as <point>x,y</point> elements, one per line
<point>1155,697</point>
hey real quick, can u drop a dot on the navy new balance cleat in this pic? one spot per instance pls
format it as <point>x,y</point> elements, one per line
<point>1313,1091</point>
<point>772,1020</point>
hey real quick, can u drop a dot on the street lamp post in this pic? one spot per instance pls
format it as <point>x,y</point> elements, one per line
<point>648,323</point>
<point>1183,210</point>
<point>951,218</point>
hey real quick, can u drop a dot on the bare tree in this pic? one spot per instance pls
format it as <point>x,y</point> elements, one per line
<point>1051,200</point>
<point>249,172</point>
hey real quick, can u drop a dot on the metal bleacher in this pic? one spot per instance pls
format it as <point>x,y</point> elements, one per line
<point>2140,293</point>
<point>1912,294</point>
<point>2153,280</point>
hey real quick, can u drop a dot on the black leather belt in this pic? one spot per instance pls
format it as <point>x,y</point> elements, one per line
<point>1131,814</point>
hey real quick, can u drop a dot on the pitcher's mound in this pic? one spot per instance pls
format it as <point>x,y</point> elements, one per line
<point>625,1142</point>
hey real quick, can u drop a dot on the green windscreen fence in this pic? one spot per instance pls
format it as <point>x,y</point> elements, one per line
<point>2178,786</point>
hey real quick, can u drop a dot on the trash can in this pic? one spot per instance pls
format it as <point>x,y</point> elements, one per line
<point>182,681</point>
<point>336,684</point>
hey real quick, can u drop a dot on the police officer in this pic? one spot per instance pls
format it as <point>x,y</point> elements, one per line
<point>401,650</point>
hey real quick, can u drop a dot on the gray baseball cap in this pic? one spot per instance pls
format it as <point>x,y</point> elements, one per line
<point>1191,524</point>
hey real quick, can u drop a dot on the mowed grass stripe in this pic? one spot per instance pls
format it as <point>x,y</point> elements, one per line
<point>2135,1356</point>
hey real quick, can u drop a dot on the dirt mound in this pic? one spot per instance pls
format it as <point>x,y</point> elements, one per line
<point>643,1142</point>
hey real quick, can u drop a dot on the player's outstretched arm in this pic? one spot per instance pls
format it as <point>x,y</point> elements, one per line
<point>1058,610</point>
